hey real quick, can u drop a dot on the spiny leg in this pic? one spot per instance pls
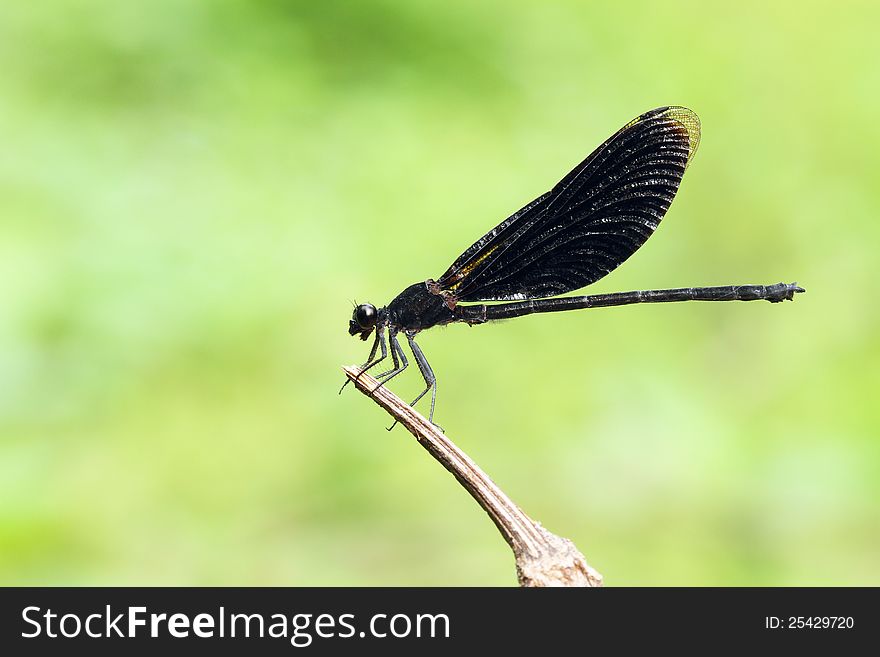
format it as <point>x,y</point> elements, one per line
<point>396,352</point>
<point>427,374</point>
<point>377,343</point>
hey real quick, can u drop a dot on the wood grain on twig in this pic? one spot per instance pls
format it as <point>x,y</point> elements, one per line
<point>542,558</point>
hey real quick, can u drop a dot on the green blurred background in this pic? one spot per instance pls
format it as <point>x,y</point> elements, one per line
<point>192,195</point>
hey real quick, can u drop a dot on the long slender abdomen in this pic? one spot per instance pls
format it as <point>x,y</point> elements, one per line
<point>482,313</point>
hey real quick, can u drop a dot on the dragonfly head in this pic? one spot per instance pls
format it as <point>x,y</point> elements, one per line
<point>363,320</point>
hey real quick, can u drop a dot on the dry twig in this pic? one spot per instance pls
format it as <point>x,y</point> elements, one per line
<point>542,558</point>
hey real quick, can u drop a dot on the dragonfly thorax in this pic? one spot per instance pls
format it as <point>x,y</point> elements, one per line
<point>416,308</point>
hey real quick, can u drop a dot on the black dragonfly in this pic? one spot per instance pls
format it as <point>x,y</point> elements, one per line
<point>588,224</point>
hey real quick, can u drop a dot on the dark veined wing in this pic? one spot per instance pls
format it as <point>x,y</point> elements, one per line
<point>589,223</point>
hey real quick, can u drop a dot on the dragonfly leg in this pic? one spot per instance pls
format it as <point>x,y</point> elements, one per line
<point>396,353</point>
<point>427,374</point>
<point>379,342</point>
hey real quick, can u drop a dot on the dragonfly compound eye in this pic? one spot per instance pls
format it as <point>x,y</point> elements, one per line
<point>365,315</point>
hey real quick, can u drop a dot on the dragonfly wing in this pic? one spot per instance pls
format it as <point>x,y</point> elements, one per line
<point>589,223</point>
